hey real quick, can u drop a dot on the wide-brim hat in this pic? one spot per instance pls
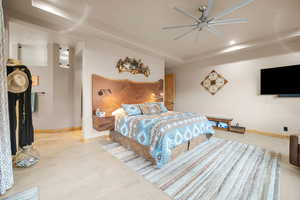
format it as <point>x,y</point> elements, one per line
<point>13,62</point>
<point>17,82</point>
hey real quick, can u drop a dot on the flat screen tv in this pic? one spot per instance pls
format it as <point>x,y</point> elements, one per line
<point>280,81</point>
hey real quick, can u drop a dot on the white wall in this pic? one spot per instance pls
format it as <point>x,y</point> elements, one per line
<point>240,98</point>
<point>56,109</point>
<point>42,118</point>
<point>100,57</point>
<point>77,89</point>
<point>63,98</point>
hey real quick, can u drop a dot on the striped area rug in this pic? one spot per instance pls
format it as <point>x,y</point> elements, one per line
<point>217,169</point>
<point>31,194</point>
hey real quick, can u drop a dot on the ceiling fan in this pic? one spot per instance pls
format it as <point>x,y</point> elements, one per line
<point>207,22</point>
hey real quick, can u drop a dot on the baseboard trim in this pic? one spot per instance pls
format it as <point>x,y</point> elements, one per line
<point>278,135</point>
<point>78,128</point>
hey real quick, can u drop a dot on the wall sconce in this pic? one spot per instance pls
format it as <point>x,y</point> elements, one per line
<point>102,92</point>
<point>35,80</point>
<point>159,96</point>
<point>64,57</point>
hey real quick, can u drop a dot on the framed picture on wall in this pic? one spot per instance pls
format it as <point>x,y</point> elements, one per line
<point>35,80</point>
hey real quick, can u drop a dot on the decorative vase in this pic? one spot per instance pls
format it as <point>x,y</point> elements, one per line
<point>99,113</point>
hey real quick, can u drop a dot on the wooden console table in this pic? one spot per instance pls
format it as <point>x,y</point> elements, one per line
<point>223,120</point>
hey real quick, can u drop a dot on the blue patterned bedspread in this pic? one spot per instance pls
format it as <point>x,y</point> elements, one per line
<point>164,131</point>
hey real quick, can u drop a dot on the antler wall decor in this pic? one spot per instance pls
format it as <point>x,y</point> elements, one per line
<point>133,66</point>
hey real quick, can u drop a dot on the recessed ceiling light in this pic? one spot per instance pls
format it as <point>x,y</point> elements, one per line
<point>235,48</point>
<point>232,42</point>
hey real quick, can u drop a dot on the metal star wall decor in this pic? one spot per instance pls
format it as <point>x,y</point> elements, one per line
<point>213,82</point>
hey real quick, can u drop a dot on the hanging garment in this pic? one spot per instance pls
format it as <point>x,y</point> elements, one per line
<point>34,102</point>
<point>26,131</point>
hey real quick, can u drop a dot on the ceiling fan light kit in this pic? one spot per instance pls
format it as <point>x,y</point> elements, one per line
<point>205,21</point>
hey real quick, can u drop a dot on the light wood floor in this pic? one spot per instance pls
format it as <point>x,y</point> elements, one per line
<point>72,169</point>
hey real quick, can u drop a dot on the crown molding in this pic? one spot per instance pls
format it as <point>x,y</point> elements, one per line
<point>83,32</point>
<point>280,39</point>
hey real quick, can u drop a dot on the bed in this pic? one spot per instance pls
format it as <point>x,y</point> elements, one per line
<point>142,122</point>
<point>161,137</point>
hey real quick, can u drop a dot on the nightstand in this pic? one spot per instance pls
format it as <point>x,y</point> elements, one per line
<point>103,123</point>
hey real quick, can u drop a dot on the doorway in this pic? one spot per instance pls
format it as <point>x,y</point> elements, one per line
<point>170,91</point>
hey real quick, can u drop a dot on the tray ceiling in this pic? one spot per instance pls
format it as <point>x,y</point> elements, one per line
<point>140,22</point>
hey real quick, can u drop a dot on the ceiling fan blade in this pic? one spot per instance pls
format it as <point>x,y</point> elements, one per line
<point>214,31</point>
<point>186,14</point>
<point>209,8</point>
<point>227,21</point>
<point>179,26</point>
<point>186,33</point>
<point>231,10</point>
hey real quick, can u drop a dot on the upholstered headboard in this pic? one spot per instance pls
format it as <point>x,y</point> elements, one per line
<point>109,94</point>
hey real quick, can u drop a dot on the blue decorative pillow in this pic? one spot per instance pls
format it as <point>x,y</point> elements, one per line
<point>161,105</point>
<point>150,108</point>
<point>132,109</point>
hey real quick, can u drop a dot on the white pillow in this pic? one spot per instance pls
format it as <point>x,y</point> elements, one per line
<point>120,112</point>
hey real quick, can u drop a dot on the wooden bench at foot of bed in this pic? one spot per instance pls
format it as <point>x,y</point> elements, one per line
<point>144,151</point>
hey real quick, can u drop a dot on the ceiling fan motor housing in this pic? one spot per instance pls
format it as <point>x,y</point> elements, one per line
<point>202,9</point>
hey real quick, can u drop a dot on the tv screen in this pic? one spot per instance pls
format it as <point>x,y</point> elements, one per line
<point>280,80</point>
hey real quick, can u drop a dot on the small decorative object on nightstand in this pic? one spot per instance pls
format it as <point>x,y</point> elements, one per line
<point>99,113</point>
<point>103,123</point>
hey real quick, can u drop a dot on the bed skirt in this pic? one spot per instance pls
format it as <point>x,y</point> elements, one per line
<point>144,151</point>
